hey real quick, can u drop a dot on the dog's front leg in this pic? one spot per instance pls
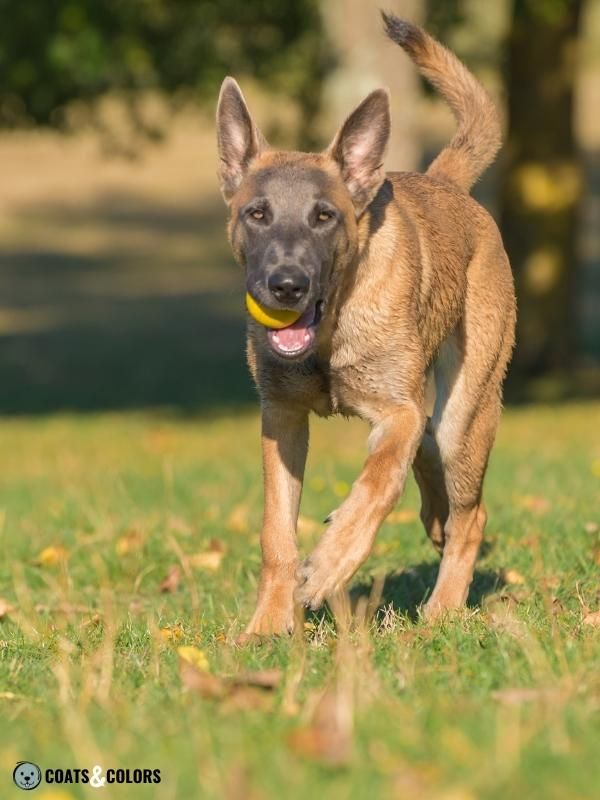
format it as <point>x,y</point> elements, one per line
<point>284,447</point>
<point>347,542</point>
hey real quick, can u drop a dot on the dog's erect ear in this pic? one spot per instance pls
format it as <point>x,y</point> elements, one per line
<point>359,147</point>
<point>239,139</point>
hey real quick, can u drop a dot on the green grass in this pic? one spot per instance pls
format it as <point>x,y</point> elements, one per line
<point>87,677</point>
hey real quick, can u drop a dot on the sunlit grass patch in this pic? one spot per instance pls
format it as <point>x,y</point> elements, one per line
<point>131,548</point>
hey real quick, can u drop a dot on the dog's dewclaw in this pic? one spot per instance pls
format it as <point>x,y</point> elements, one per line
<point>270,317</point>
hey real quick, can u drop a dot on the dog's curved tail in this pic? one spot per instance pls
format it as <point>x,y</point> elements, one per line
<point>479,135</point>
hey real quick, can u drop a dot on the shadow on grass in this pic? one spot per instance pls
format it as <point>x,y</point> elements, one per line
<point>124,304</point>
<point>407,590</point>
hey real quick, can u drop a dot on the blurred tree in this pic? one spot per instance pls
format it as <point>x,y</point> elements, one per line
<point>542,181</point>
<point>55,51</point>
<point>366,60</point>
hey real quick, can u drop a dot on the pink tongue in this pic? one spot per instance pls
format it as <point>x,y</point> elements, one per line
<point>293,337</point>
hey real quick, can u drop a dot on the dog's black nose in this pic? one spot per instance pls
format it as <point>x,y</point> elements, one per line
<point>288,285</point>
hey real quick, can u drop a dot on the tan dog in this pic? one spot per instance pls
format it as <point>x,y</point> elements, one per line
<point>402,282</point>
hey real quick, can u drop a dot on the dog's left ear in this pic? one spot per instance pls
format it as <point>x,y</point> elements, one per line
<point>359,147</point>
<point>238,137</point>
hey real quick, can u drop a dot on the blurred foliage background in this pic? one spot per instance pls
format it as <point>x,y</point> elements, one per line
<point>117,287</point>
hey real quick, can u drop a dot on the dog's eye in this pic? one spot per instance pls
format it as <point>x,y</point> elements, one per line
<point>323,215</point>
<point>257,214</point>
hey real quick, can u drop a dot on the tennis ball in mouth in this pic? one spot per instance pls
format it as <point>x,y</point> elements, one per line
<point>270,317</point>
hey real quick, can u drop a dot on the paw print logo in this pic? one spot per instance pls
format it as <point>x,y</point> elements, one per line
<point>27,775</point>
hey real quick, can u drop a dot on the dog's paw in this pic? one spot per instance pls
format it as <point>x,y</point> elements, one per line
<point>267,622</point>
<point>317,580</point>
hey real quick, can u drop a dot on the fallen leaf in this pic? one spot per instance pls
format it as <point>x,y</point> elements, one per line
<point>95,619</point>
<point>52,555</point>
<point>504,599</point>
<point>5,608</point>
<point>208,686</point>
<point>403,516</point>
<point>128,543</point>
<point>246,691</point>
<point>512,576</point>
<point>193,656</point>
<point>171,582</point>
<point>593,619</point>
<point>596,555</point>
<point>209,559</point>
<point>261,678</point>
<point>172,633</point>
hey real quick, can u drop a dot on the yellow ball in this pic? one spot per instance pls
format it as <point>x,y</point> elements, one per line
<point>270,317</point>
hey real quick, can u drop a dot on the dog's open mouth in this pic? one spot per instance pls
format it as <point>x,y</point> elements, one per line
<point>299,337</point>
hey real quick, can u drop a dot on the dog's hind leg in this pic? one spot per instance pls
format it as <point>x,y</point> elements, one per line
<point>469,373</point>
<point>284,447</point>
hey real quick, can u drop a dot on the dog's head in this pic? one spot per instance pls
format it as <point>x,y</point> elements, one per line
<point>294,215</point>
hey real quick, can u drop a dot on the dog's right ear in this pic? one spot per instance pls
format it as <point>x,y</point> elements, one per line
<point>239,139</point>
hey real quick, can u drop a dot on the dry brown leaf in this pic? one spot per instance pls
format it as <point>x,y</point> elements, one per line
<point>52,555</point>
<point>261,678</point>
<point>95,619</point>
<point>596,555</point>
<point>171,582</point>
<point>403,516</point>
<point>209,686</point>
<point>593,619</point>
<point>512,576</point>
<point>130,542</point>
<point>209,559</point>
<point>6,608</point>
<point>502,599</point>
<point>248,691</point>
<point>237,520</point>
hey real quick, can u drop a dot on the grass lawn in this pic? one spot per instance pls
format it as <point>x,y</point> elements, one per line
<point>501,701</point>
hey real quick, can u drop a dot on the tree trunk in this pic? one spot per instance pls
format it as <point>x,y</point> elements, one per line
<point>366,60</point>
<point>542,183</point>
